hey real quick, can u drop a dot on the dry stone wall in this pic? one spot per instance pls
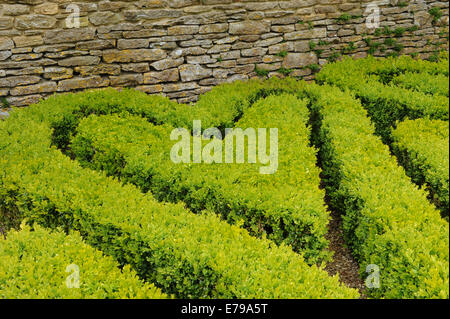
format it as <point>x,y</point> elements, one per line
<point>182,48</point>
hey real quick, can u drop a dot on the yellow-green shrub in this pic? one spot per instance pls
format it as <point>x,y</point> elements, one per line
<point>287,206</point>
<point>370,80</point>
<point>388,221</point>
<point>422,147</point>
<point>35,264</point>
<point>423,82</point>
<point>190,256</point>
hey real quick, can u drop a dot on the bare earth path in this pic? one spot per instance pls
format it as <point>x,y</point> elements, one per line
<point>343,262</point>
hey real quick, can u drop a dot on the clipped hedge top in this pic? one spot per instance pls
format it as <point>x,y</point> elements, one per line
<point>434,84</point>
<point>185,254</point>
<point>287,206</point>
<point>423,147</point>
<point>388,220</point>
<point>374,81</point>
<point>37,265</point>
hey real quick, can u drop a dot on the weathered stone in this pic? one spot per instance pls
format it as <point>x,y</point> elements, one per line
<point>200,59</point>
<point>28,41</point>
<point>53,48</point>
<point>82,83</point>
<point>219,48</point>
<point>249,27</point>
<point>110,69</point>
<point>47,8</point>
<point>35,21</point>
<point>193,72</point>
<point>306,34</point>
<point>138,55</point>
<point>298,60</point>
<point>5,55</point>
<point>132,43</point>
<point>24,100</point>
<point>100,18</point>
<point>26,71</point>
<point>3,114</point>
<point>45,87</point>
<point>14,9</point>
<point>24,57</point>
<point>95,45</point>
<point>214,28</point>
<point>167,64</point>
<point>79,60</point>
<point>182,30</point>
<point>150,89</point>
<point>6,23</point>
<point>127,80</point>
<point>136,67</point>
<point>14,81</point>
<point>230,55</point>
<point>171,75</point>
<point>6,43</point>
<point>254,52</point>
<point>180,87</point>
<point>136,15</point>
<point>147,33</point>
<point>71,35</point>
<point>57,73</point>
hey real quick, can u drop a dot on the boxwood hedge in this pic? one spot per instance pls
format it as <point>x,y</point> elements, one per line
<point>371,81</point>
<point>36,264</point>
<point>191,256</point>
<point>287,206</point>
<point>434,84</point>
<point>422,147</point>
<point>388,221</point>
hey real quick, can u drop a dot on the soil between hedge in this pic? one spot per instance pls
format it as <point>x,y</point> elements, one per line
<point>343,262</point>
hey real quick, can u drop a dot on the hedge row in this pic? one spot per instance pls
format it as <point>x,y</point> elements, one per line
<point>386,103</point>
<point>388,221</point>
<point>191,256</point>
<point>287,207</point>
<point>218,108</point>
<point>434,84</point>
<point>422,147</point>
<point>40,264</point>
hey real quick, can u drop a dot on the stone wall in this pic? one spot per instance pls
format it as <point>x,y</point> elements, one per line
<point>182,48</point>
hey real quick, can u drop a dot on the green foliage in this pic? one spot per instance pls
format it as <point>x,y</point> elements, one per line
<point>188,255</point>
<point>345,17</point>
<point>434,84</point>
<point>287,207</point>
<point>33,265</point>
<point>334,56</point>
<point>436,13</point>
<point>4,103</point>
<point>349,48</point>
<point>284,71</point>
<point>425,164</point>
<point>370,79</point>
<point>55,173</point>
<point>388,221</point>
<point>261,72</point>
<point>314,67</point>
<point>282,54</point>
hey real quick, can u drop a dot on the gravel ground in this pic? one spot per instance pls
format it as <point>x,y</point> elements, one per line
<point>343,262</point>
